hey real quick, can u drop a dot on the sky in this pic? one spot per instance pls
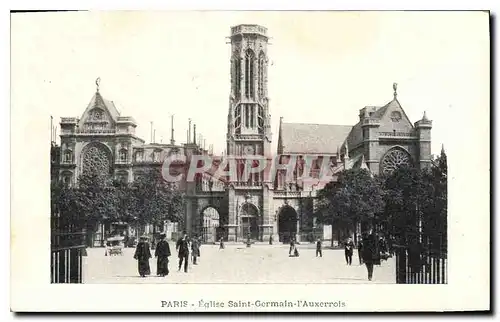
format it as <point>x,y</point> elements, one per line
<point>324,67</point>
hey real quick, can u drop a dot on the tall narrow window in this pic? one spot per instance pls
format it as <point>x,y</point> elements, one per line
<point>247,116</point>
<point>249,74</point>
<point>237,74</point>
<point>237,122</point>
<point>260,120</point>
<point>261,74</point>
<point>252,115</point>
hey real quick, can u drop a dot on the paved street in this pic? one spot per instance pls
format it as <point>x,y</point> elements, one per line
<point>238,264</point>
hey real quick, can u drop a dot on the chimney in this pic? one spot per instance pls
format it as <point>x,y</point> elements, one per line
<point>194,133</point>
<point>189,132</point>
<point>151,137</point>
<point>172,141</point>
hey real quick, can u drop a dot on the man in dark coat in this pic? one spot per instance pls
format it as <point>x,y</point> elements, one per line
<point>370,253</point>
<point>162,252</point>
<point>142,255</point>
<point>319,248</point>
<point>195,249</point>
<point>183,249</point>
<point>292,246</point>
<point>360,250</point>
<point>349,248</point>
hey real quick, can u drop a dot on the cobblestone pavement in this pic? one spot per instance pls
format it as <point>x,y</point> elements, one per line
<point>238,264</point>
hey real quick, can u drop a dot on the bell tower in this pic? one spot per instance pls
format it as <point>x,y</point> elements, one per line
<point>249,126</point>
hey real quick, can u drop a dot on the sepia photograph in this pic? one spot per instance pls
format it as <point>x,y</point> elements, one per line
<point>249,149</point>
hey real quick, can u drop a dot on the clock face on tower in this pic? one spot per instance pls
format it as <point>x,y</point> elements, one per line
<point>248,150</point>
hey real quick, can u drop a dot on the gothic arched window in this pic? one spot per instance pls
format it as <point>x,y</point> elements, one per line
<point>123,155</point>
<point>96,159</point>
<point>67,181</point>
<point>139,156</point>
<point>237,119</point>
<point>249,73</point>
<point>156,156</point>
<point>68,156</point>
<point>237,74</point>
<point>395,159</point>
<point>260,119</point>
<point>261,74</point>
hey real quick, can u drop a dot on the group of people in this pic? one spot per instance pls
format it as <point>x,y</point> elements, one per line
<point>184,247</point>
<point>371,250</point>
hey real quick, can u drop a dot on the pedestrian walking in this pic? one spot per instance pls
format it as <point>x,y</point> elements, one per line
<point>195,249</point>
<point>270,239</point>
<point>249,242</point>
<point>142,255</point>
<point>182,248</point>
<point>292,247</point>
<point>319,247</point>
<point>360,250</point>
<point>162,253</point>
<point>294,252</point>
<point>349,248</point>
<point>221,243</point>
<point>370,253</point>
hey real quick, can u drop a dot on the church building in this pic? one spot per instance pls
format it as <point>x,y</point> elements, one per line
<point>250,205</point>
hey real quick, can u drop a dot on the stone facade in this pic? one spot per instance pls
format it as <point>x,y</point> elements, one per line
<point>254,206</point>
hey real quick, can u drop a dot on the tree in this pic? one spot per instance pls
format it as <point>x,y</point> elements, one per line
<point>153,200</point>
<point>416,203</point>
<point>356,197</point>
<point>96,198</point>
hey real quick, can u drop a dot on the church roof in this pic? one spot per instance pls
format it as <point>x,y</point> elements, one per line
<point>99,101</point>
<point>355,137</point>
<point>110,105</point>
<point>312,138</point>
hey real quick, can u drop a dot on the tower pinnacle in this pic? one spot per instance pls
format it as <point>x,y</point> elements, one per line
<point>395,88</point>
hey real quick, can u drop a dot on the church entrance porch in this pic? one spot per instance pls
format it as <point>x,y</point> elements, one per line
<point>210,225</point>
<point>287,224</point>
<point>249,225</point>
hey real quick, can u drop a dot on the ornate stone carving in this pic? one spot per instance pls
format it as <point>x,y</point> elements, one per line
<point>394,159</point>
<point>96,159</point>
<point>395,116</point>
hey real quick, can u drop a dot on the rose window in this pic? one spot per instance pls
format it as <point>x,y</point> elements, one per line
<point>394,159</point>
<point>97,160</point>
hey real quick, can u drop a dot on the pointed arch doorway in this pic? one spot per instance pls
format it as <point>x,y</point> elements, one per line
<point>210,225</point>
<point>249,221</point>
<point>287,224</point>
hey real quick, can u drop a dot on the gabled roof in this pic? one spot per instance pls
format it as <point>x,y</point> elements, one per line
<point>312,138</point>
<point>99,101</point>
<point>353,163</point>
<point>356,135</point>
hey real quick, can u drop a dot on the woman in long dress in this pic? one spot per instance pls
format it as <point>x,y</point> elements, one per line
<point>162,252</point>
<point>142,255</point>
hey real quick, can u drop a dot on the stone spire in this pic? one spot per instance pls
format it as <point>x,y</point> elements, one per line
<point>346,156</point>
<point>424,118</point>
